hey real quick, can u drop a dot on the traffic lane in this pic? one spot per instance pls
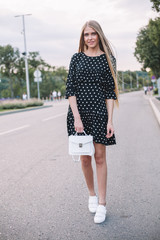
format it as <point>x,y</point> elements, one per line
<point>20,149</point>
<point>64,203</point>
<point>38,192</point>
<point>134,168</point>
<point>36,181</point>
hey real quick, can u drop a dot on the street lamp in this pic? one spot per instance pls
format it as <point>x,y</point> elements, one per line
<point>137,80</point>
<point>130,80</point>
<point>122,82</point>
<point>25,54</point>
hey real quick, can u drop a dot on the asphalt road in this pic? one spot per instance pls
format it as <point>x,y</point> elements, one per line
<point>43,195</point>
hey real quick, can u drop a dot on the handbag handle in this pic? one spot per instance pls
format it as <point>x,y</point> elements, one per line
<point>74,159</point>
<point>83,132</point>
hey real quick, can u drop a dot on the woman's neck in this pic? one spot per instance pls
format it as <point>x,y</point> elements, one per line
<point>93,51</point>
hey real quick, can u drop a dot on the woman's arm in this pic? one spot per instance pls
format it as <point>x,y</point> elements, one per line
<point>77,119</point>
<point>110,97</point>
<point>110,129</point>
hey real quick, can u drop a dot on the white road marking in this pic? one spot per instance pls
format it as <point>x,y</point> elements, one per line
<point>13,130</point>
<point>59,115</point>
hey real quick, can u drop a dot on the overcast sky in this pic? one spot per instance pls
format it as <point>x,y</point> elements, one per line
<point>54,27</point>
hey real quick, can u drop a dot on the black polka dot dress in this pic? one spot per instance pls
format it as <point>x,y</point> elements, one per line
<point>91,81</point>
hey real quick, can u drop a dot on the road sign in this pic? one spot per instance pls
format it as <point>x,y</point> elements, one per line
<point>153,80</point>
<point>37,79</point>
<point>37,73</point>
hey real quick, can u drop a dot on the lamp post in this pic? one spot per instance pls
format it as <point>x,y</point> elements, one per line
<point>122,81</point>
<point>137,80</point>
<point>130,80</point>
<point>25,54</point>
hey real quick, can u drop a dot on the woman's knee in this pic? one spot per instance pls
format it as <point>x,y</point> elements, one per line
<point>100,158</point>
<point>100,154</point>
<point>86,161</point>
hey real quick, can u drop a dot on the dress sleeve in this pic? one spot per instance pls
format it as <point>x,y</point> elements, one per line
<point>71,79</point>
<point>110,86</point>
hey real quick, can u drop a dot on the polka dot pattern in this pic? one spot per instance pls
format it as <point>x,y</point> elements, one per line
<point>91,81</point>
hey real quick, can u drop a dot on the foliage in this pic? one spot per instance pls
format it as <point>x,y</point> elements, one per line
<point>12,74</point>
<point>155,91</point>
<point>147,49</point>
<point>133,80</point>
<point>156,5</point>
<point>8,58</point>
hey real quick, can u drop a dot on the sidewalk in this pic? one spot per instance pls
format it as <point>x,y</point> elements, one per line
<point>155,104</point>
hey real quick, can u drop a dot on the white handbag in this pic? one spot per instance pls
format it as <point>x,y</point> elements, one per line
<point>81,145</point>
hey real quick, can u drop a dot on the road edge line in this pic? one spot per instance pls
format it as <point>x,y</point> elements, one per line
<point>14,129</point>
<point>23,110</point>
<point>53,117</point>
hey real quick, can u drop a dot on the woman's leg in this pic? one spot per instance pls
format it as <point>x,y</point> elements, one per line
<point>101,167</point>
<point>88,173</point>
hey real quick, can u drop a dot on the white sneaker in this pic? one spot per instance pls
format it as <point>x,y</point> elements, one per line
<point>93,203</point>
<point>100,215</point>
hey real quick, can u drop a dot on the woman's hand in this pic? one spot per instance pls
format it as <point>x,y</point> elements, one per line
<point>78,125</point>
<point>110,130</point>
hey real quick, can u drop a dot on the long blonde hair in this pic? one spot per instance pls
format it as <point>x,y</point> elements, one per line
<point>104,46</point>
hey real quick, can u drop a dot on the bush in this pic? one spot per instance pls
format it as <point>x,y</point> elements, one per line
<point>129,90</point>
<point>19,104</point>
<point>155,91</point>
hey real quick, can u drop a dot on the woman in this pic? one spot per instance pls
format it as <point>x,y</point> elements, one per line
<point>91,90</point>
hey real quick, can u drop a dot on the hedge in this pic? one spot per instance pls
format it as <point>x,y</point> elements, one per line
<point>19,104</point>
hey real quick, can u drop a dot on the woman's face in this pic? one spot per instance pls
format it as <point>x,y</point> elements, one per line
<point>91,38</point>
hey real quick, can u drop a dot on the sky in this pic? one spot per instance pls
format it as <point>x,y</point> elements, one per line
<point>54,27</point>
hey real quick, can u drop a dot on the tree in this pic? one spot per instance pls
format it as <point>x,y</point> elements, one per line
<point>12,73</point>
<point>54,79</point>
<point>8,58</point>
<point>35,60</point>
<point>156,5</point>
<point>147,49</point>
<point>62,73</point>
<point>19,75</point>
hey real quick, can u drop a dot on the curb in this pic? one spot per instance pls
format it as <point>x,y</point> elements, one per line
<point>24,110</point>
<point>155,110</point>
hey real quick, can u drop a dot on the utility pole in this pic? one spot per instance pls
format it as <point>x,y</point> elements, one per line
<point>130,81</point>
<point>25,54</point>
<point>137,80</point>
<point>122,82</point>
